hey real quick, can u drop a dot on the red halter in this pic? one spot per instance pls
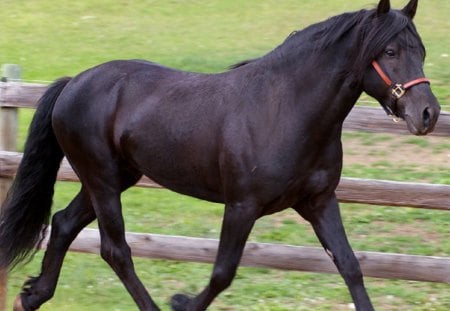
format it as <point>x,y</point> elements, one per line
<point>398,89</point>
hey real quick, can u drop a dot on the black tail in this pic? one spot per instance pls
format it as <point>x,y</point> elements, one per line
<point>27,207</point>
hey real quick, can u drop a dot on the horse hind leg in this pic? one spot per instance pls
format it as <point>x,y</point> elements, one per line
<point>66,225</point>
<point>105,189</point>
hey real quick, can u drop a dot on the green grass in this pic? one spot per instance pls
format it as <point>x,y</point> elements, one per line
<point>50,40</point>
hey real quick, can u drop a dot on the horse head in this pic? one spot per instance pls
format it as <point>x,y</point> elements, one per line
<point>395,77</point>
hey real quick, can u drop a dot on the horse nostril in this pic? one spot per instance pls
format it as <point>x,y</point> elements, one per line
<point>426,117</point>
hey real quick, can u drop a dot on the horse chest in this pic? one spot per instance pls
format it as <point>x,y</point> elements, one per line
<point>307,184</point>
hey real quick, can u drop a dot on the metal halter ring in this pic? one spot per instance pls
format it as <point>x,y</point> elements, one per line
<point>398,90</point>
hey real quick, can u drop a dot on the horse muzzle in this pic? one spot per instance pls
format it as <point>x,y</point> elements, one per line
<point>420,119</point>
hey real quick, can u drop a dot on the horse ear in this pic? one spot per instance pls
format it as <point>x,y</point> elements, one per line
<point>383,7</point>
<point>410,9</point>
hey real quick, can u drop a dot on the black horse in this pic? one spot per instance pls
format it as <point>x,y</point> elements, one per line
<point>261,137</point>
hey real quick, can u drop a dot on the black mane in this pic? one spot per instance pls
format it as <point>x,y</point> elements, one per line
<point>372,34</point>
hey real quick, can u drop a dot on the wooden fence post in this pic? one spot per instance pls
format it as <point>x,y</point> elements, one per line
<point>8,137</point>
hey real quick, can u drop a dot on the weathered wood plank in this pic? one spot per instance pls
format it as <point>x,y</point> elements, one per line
<point>350,190</point>
<point>8,136</point>
<point>21,95</point>
<point>393,193</point>
<point>276,256</point>
<point>368,119</point>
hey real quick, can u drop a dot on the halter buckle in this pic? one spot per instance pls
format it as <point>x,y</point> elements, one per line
<point>398,90</point>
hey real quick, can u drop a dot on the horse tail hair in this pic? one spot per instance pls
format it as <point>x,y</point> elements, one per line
<point>25,213</point>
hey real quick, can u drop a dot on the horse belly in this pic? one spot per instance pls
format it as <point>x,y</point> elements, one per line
<point>186,177</point>
<point>185,160</point>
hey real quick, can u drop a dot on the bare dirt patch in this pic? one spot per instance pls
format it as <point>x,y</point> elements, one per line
<point>397,150</point>
<point>416,229</point>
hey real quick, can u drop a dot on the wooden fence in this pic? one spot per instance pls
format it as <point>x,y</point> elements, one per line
<point>15,95</point>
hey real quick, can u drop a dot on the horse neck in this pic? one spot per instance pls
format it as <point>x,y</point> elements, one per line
<point>321,87</point>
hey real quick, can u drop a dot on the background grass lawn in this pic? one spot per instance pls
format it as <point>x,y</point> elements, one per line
<point>51,39</point>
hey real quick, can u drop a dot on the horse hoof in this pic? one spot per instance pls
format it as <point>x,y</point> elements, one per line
<point>18,304</point>
<point>179,302</point>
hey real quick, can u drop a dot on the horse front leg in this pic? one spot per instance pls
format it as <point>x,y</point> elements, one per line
<point>66,225</point>
<point>326,221</point>
<point>237,224</point>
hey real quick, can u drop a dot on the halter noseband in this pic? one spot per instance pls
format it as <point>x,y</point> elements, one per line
<point>397,89</point>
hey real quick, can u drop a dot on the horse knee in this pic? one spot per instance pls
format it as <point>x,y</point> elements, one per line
<point>352,274</point>
<point>355,275</point>
<point>222,278</point>
<point>348,267</point>
<point>116,256</point>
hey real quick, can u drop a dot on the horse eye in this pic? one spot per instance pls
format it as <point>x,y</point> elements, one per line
<point>389,52</point>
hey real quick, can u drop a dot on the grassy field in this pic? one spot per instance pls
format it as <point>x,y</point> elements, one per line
<point>51,40</point>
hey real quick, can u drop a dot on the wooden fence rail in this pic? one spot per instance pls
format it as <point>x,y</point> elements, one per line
<point>274,256</point>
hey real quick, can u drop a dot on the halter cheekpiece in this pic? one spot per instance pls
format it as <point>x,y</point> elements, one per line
<point>397,89</point>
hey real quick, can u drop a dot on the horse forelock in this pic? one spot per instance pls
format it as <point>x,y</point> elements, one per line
<point>376,33</point>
